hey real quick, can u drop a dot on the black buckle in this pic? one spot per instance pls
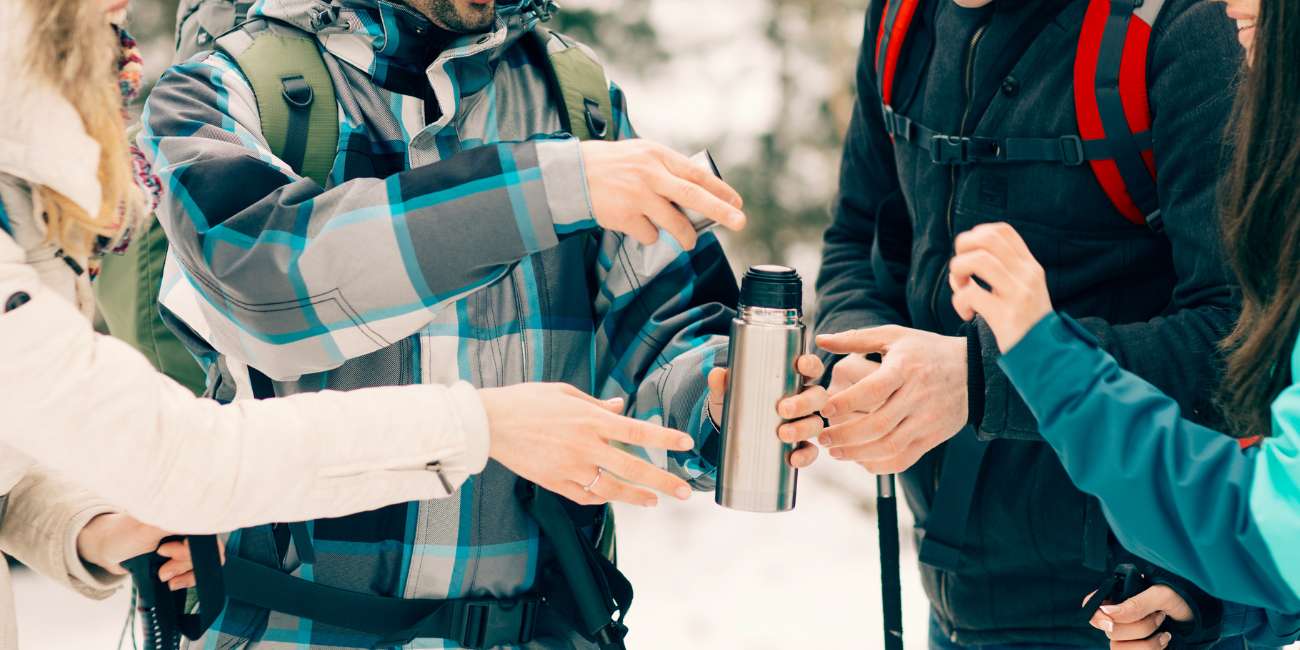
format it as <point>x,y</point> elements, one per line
<point>1072,151</point>
<point>491,622</point>
<point>959,150</point>
<point>297,91</point>
<point>897,125</point>
<point>596,122</point>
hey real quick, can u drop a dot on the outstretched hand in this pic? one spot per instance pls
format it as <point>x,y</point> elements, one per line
<point>559,438</point>
<point>1016,296</point>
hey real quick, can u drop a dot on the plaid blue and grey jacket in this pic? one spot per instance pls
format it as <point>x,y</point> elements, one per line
<point>458,248</point>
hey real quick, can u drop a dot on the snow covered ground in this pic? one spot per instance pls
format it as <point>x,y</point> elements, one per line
<point>705,577</point>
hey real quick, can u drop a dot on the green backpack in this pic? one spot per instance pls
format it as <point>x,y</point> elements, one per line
<point>298,107</point>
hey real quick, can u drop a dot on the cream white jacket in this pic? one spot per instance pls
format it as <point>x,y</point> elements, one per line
<point>81,413</point>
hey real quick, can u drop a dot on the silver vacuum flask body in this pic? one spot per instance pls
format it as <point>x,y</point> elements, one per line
<point>767,337</point>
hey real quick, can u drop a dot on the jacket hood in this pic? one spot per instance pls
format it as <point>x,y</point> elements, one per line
<point>42,138</point>
<point>395,43</point>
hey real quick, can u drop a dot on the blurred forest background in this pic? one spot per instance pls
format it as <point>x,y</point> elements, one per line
<point>766,85</point>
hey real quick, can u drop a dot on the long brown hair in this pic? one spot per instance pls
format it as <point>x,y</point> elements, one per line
<point>73,48</point>
<point>1261,220</point>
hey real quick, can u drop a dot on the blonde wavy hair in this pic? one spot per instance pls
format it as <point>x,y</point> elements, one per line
<point>73,47</point>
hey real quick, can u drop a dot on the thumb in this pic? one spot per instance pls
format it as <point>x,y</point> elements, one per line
<point>717,383</point>
<point>864,341</point>
<point>1154,599</point>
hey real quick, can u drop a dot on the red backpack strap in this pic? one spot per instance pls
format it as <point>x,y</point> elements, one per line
<point>889,44</point>
<point>1111,105</point>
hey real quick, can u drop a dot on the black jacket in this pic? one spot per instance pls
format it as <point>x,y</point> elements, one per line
<point>1158,301</point>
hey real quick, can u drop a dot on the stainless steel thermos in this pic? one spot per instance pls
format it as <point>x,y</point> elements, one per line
<point>767,337</point>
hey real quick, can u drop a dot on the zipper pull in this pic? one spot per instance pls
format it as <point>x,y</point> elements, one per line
<point>72,264</point>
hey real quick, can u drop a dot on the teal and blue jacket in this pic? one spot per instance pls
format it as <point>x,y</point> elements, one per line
<point>1187,497</point>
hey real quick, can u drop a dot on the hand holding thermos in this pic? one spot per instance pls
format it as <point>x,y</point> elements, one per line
<point>761,405</point>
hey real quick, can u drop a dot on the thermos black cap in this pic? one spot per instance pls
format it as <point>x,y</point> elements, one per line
<point>771,286</point>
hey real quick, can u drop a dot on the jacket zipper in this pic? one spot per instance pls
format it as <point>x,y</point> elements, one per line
<point>967,81</point>
<point>519,317</point>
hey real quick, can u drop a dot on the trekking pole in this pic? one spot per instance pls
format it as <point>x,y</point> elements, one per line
<point>890,583</point>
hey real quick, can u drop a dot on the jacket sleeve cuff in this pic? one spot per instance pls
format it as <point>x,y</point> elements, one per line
<point>565,179</point>
<point>1005,414</point>
<point>468,404</point>
<point>89,579</point>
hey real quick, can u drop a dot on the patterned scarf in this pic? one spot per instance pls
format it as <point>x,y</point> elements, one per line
<point>130,79</point>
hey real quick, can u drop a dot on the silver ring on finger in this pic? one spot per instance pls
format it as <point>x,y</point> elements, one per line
<point>600,471</point>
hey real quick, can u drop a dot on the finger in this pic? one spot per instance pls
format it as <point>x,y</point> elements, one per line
<point>642,230</point>
<point>883,449</point>
<point>865,341</point>
<point>694,197</point>
<point>810,366</point>
<point>1101,622</point>
<point>1136,631</point>
<point>611,488</point>
<point>959,305</point>
<point>174,549</point>
<point>801,430</point>
<point>613,404</point>
<point>1010,235</point>
<point>633,469</point>
<point>574,492</point>
<point>642,434</point>
<point>1150,601</point>
<point>804,454</point>
<point>868,394</point>
<point>986,266</point>
<point>1157,642</point>
<point>666,216</point>
<point>687,169</point>
<point>717,384</point>
<point>975,299</point>
<point>870,427</point>
<point>173,568</point>
<point>903,461</point>
<point>810,401</point>
<point>988,239</point>
<point>182,582</point>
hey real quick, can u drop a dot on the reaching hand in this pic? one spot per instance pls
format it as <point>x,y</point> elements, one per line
<point>1016,297</point>
<point>110,539</point>
<point>895,413</point>
<point>636,187</point>
<point>1135,623</point>
<point>178,570</point>
<point>800,410</point>
<point>559,438</point>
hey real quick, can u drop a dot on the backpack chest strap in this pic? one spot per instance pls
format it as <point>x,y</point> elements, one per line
<point>948,149</point>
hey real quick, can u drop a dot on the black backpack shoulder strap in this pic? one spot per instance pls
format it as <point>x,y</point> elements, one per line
<point>577,83</point>
<point>295,94</point>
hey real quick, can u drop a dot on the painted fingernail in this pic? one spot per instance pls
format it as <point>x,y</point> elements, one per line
<point>1165,638</point>
<point>836,453</point>
<point>1110,609</point>
<point>1108,625</point>
<point>682,493</point>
